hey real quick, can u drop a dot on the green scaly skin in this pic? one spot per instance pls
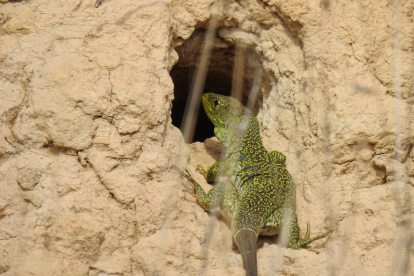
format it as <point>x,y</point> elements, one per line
<point>258,196</point>
<point>212,173</point>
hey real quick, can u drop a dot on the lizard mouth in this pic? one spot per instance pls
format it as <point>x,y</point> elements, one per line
<point>204,101</point>
<point>208,108</point>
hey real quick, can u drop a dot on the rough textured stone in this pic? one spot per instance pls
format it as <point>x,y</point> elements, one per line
<point>87,145</point>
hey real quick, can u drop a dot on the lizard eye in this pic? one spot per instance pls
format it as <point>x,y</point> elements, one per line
<point>216,103</point>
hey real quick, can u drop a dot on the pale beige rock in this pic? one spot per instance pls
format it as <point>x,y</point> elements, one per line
<point>87,146</point>
<point>32,169</point>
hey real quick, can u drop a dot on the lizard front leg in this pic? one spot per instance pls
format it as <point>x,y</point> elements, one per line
<point>223,195</point>
<point>212,173</point>
<point>214,198</point>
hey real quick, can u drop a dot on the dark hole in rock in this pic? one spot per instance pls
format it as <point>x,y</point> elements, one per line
<point>219,78</point>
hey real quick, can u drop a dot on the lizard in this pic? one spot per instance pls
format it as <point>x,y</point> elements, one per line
<point>257,195</point>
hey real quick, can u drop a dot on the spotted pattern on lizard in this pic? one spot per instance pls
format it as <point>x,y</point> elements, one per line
<point>258,195</point>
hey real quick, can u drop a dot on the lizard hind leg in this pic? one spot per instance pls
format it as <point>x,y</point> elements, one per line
<point>282,218</point>
<point>296,242</point>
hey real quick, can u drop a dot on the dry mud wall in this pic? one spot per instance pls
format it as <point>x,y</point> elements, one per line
<point>87,141</point>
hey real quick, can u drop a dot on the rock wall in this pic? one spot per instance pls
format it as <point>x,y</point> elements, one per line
<point>87,145</point>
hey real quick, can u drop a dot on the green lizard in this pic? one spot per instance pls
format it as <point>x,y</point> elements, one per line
<point>258,195</point>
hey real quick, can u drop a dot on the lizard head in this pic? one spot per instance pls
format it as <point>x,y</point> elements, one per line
<point>221,109</point>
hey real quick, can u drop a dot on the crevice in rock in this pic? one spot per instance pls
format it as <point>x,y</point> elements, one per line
<point>220,77</point>
<point>14,1</point>
<point>381,172</point>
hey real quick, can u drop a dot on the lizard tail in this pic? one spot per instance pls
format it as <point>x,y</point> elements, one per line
<point>246,242</point>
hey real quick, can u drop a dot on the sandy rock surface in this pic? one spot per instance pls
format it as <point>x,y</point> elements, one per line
<point>87,143</point>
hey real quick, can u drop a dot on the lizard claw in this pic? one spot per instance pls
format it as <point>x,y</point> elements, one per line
<point>312,250</point>
<point>202,171</point>
<point>302,242</point>
<point>307,235</point>
<point>189,177</point>
<point>185,173</point>
<point>321,236</point>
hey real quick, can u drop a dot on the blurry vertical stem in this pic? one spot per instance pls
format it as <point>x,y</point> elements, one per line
<point>397,180</point>
<point>397,97</point>
<point>403,239</point>
<point>193,104</point>
<point>238,72</point>
<point>255,88</point>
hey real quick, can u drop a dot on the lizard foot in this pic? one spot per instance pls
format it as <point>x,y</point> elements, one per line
<point>318,237</point>
<point>307,237</point>
<point>212,173</point>
<point>302,242</point>
<point>312,250</point>
<point>202,171</point>
<point>185,173</point>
